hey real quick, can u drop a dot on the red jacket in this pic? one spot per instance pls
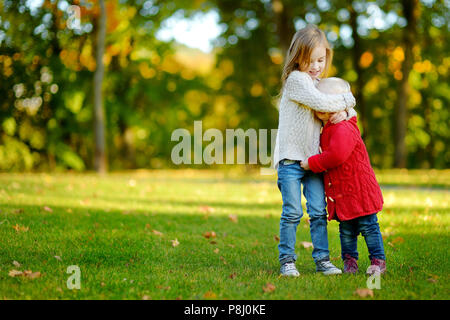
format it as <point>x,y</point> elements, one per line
<point>350,185</point>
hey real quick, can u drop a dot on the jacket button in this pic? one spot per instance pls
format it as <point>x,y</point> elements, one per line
<point>329,184</point>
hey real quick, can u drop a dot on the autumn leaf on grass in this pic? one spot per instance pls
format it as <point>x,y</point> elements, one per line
<point>15,273</point>
<point>58,258</point>
<point>233,218</point>
<point>433,278</point>
<point>276,238</point>
<point>398,240</point>
<point>175,242</point>
<point>363,292</point>
<point>48,209</point>
<point>206,209</point>
<point>15,263</point>
<point>210,295</point>
<point>32,275</point>
<point>20,228</point>
<point>157,233</point>
<point>306,244</point>
<point>209,234</point>
<point>269,287</point>
<point>27,274</point>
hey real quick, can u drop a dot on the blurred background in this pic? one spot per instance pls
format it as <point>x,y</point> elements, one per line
<point>101,85</point>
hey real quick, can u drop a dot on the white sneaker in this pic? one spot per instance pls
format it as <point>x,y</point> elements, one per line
<point>289,269</point>
<point>327,268</point>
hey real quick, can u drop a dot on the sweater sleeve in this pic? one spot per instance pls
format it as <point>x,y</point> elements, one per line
<point>300,88</point>
<point>351,113</point>
<point>342,143</point>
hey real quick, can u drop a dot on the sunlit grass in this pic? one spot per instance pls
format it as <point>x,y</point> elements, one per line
<point>119,230</point>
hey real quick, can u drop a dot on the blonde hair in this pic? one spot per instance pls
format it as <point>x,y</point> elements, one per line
<point>303,43</point>
<point>333,85</point>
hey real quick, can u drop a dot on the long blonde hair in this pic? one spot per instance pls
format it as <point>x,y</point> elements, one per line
<point>303,43</point>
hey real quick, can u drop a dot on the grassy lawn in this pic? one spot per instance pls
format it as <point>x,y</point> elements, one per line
<point>204,235</point>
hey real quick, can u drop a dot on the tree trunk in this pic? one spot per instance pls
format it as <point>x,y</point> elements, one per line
<point>285,25</point>
<point>99,121</point>
<point>356,56</point>
<point>410,12</point>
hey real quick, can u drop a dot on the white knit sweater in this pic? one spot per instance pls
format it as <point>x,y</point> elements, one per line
<point>298,134</point>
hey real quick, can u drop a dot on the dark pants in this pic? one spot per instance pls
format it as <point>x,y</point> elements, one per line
<point>369,229</point>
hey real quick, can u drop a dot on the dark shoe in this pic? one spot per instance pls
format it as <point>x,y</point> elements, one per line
<point>376,266</point>
<point>350,264</point>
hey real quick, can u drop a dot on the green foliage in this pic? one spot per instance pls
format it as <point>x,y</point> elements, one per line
<point>152,88</point>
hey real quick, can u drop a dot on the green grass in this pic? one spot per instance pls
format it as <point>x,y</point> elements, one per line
<point>105,226</point>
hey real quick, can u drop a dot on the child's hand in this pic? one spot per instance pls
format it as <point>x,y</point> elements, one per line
<point>305,164</point>
<point>338,117</point>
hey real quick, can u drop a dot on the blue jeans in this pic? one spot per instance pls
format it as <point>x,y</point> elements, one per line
<point>369,229</point>
<point>290,178</point>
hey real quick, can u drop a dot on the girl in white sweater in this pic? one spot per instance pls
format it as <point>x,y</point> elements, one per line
<point>309,57</point>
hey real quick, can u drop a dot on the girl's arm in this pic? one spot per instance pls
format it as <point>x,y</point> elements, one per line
<point>300,88</point>
<point>342,143</point>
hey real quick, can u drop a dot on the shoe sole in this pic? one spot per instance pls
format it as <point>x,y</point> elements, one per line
<point>329,273</point>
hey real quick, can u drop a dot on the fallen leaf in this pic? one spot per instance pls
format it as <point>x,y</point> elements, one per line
<point>209,234</point>
<point>27,274</point>
<point>157,233</point>
<point>48,209</point>
<point>175,242</point>
<point>206,209</point>
<point>398,240</point>
<point>15,273</point>
<point>18,210</point>
<point>276,238</point>
<point>269,287</point>
<point>210,295</point>
<point>363,292</point>
<point>163,288</point>
<point>233,275</point>
<point>306,244</point>
<point>147,226</point>
<point>31,275</point>
<point>58,258</point>
<point>223,260</point>
<point>20,228</point>
<point>233,218</point>
<point>216,250</point>
<point>145,297</point>
<point>15,263</point>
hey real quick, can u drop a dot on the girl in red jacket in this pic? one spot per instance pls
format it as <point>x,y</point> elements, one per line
<point>352,192</point>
